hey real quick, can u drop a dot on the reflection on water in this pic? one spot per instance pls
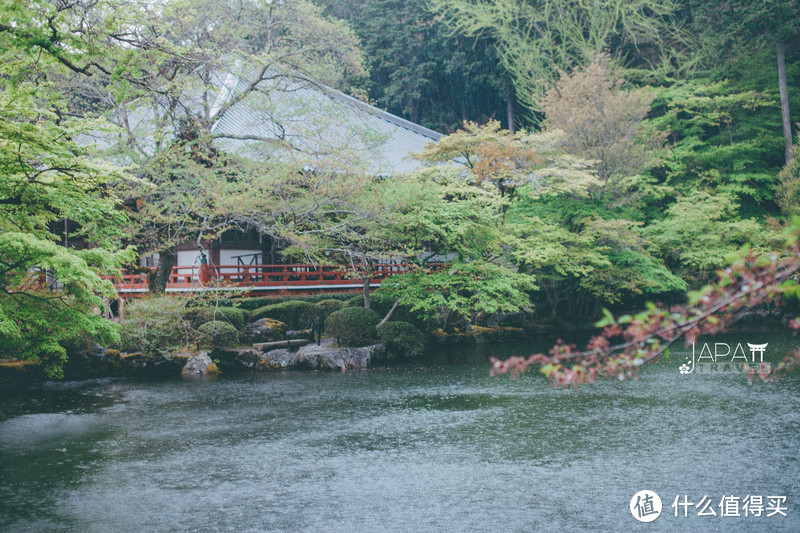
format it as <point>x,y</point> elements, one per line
<point>442,447</point>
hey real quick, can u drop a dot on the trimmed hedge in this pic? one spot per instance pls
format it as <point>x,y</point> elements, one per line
<point>352,326</point>
<point>402,340</point>
<point>238,318</point>
<point>355,301</point>
<point>295,314</point>
<point>326,307</point>
<point>257,302</point>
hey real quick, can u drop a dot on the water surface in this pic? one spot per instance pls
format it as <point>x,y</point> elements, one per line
<point>440,447</point>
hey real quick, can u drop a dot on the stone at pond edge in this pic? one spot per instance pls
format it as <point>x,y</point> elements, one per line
<point>298,334</point>
<point>199,365</point>
<point>320,358</point>
<point>138,363</point>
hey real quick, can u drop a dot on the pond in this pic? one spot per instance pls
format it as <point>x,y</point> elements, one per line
<point>434,447</point>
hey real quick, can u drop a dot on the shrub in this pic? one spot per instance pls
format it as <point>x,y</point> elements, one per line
<point>324,310</point>
<point>256,302</point>
<point>326,307</point>
<point>295,314</point>
<point>355,301</point>
<point>217,334</point>
<point>401,340</point>
<point>232,315</point>
<point>154,326</point>
<point>352,326</point>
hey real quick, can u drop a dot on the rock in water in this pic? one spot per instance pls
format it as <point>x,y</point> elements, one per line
<point>199,365</point>
<point>277,359</point>
<point>320,358</point>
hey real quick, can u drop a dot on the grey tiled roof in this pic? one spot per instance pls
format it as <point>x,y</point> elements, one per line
<point>318,123</point>
<point>297,120</point>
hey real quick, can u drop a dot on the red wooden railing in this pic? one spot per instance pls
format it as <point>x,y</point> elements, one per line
<point>258,278</point>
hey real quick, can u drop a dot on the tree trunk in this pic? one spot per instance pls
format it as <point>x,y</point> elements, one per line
<point>785,116</point>
<point>157,280</point>
<point>390,313</point>
<point>510,106</point>
<point>367,301</point>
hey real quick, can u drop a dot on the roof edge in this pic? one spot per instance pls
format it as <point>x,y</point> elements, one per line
<point>385,115</point>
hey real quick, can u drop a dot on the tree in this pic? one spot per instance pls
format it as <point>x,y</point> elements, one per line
<point>506,162</point>
<point>789,189</point>
<point>446,217</point>
<point>721,136</point>
<point>742,27</point>
<point>604,123</point>
<point>701,232</point>
<point>585,263</point>
<point>536,39</point>
<point>170,73</point>
<point>51,295</point>
<point>422,72</point>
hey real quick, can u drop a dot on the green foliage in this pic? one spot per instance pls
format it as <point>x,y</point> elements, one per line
<point>460,291</point>
<point>401,340</point>
<point>419,69</point>
<point>352,326</point>
<point>49,294</point>
<point>217,334</point>
<point>154,326</point>
<point>722,138</point>
<point>252,303</point>
<point>326,307</point>
<point>701,232</point>
<point>788,196</point>
<point>608,259</point>
<point>295,314</point>
<point>536,40</point>
<point>234,316</point>
<point>355,301</point>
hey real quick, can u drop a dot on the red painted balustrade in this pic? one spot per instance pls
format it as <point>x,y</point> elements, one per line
<point>259,278</point>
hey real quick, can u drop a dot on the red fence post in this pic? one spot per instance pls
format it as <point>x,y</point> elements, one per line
<point>204,273</point>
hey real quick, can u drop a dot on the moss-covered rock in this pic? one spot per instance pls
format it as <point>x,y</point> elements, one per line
<point>295,314</point>
<point>16,373</point>
<point>199,365</point>
<point>265,330</point>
